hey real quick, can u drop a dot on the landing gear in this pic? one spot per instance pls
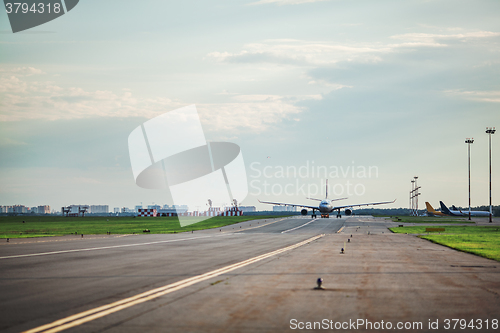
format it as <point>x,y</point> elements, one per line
<point>339,216</point>
<point>313,215</point>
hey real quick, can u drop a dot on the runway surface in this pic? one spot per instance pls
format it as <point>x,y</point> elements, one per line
<point>160,281</point>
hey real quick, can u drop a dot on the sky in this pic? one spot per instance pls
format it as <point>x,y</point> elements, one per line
<point>310,90</point>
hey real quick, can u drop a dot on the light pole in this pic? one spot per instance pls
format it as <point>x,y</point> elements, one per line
<point>411,197</point>
<point>490,131</point>
<point>416,195</point>
<point>468,142</point>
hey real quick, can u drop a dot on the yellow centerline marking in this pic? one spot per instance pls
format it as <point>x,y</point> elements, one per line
<point>89,315</point>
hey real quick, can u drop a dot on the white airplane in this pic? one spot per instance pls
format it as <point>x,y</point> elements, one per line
<point>457,212</point>
<point>325,206</point>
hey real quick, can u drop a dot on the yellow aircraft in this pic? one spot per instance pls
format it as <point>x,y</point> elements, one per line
<point>432,212</point>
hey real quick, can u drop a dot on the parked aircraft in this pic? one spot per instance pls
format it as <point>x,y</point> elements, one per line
<point>457,212</point>
<point>325,206</point>
<point>432,212</point>
<point>453,211</point>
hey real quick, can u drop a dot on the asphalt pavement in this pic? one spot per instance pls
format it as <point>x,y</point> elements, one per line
<point>381,276</point>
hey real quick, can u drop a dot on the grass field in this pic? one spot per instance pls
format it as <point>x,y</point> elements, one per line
<point>429,219</point>
<point>480,240</point>
<point>42,226</point>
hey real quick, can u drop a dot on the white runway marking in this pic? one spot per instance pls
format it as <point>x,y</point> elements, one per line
<point>92,314</point>
<point>259,226</point>
<point>300,226</point>
<point>105,247</point>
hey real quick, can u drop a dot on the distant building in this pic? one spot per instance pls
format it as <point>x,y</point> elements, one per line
<point>157,207</point>
<point>181,208</point>
<point>116,210</point>
<point>20,209</point>
<point>43,209</point>
<point>147,212</point>
<point>99,209</point>
<point>284,209</point>
<point>247,208</point>
<point>127,210</point>
<point>75,209</point>
<point>174,209</point>
<point>137,208</point>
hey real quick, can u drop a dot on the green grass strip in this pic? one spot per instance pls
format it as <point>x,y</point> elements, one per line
<point>484,245</point>
<point>483,241</point>
<point>429,219</point>
<point>40,226</point>
<point>449,229</point>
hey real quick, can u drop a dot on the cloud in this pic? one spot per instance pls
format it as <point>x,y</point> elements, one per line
<point>326,53</point>
<point>11,142</point>
<point>24,71</point>
<point>24,99</point>
<point>302,53</point>
<point>480,96</point>
<point>252,112</point>
<point>331,86</point>
<point>284,2</point>
<point>440,39</point>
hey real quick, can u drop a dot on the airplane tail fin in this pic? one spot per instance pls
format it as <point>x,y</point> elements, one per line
<point>326,189</point>
<point>430,209</point>
<point>444,209</point>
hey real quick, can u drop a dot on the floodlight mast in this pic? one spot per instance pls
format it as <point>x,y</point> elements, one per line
<point>416,195</point>
<point>411,197</point>
<point>468,142</point>
<point>490,131</point>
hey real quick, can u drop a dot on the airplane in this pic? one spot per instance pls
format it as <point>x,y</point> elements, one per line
<point>432,212</point>
<point>458,212</point>
<point>325,206</point>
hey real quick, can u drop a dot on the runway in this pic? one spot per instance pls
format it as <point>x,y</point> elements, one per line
<point>257,288</point>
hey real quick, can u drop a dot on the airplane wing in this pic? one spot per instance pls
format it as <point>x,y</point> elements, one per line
<point>365,204</point>
<point>287,204</point>
<point>329,199</point>
<point>339,199</point>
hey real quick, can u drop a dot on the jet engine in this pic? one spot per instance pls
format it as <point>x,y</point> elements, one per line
<point>348,211</point>
<point>303,212</point>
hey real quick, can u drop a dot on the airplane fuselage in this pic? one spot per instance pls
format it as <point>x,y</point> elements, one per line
<point>456,212</point>
<point>472,213</point>
<point>325,206</point>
